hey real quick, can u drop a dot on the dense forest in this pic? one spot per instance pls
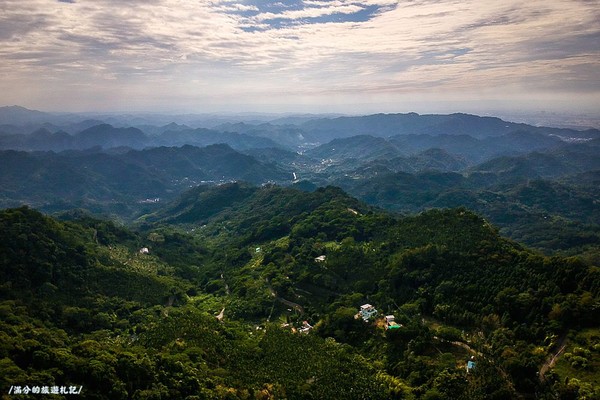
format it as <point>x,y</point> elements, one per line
<point>208,297</point>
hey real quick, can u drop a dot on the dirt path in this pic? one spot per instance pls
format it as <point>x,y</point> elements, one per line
<point>561,346</point>
<point>460,344</point>
<point>481,355</point>
<point>226,285</point>
<point>228,292</point>
<point>288,303</point>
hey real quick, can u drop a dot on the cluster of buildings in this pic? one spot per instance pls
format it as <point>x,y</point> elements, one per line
<point>150,201</point>
<point>304,328</point>
<point>367,311</point>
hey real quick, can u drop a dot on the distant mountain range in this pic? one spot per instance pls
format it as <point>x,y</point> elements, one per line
<point>46,131</point>
<point>403,162</point>
<point>107,137</point>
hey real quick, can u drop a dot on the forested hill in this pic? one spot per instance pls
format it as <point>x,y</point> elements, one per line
<point>82,307</point>
<point>205,299</point>
<point>243,208</point>
<point>323,254</point>
<point>122,183</point>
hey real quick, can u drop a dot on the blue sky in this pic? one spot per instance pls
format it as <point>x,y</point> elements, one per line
<point>313,55</point>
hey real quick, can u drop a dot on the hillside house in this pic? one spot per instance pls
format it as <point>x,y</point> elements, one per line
<point>367,311</point>
<point>390,322</point>
<point>471,364</point>
<point>144,250</point>
<point>306,327</point>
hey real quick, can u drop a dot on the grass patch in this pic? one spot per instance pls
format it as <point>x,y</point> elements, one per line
<point>581,358</point>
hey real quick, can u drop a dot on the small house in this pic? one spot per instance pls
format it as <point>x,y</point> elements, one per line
<point>144,250</point>
<point>390,322</point>
<point>367,311</point>
<point>306,327</point>
<point>320,258</point>
<point>471,364</point>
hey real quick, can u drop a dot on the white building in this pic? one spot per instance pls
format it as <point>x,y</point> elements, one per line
<point>367,311</point>
<point>306,327</point>
<point>390,321</point>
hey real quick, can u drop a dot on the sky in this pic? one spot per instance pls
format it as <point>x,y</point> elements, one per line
<point>300,56</point>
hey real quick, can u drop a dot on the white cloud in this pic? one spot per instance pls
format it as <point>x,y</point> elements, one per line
<point>161,46</point>
<point>311,12</point>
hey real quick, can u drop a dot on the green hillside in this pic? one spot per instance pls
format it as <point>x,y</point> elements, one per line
<point>207,298</point>
<point>552,216</point>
